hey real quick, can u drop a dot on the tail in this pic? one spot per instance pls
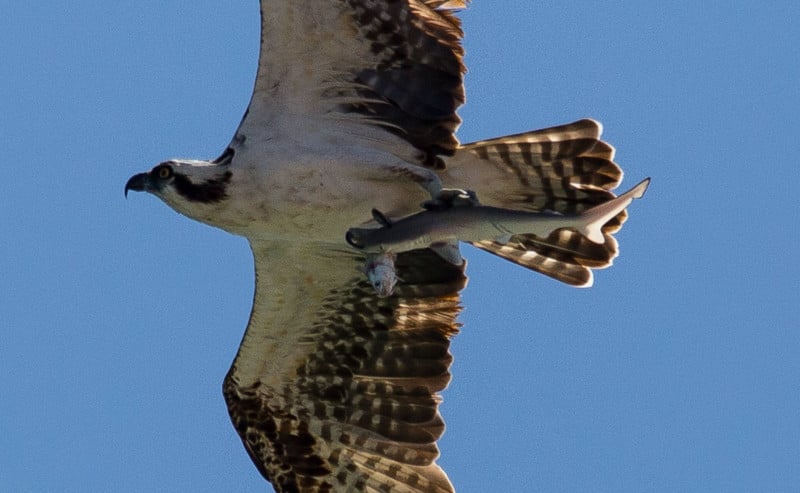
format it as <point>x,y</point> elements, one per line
<point>599,215</point>
<point>566,169</point>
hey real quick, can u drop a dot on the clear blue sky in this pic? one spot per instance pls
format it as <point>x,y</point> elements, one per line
<point>678,371</point>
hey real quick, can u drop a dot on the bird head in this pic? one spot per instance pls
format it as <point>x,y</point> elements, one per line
<point>185,185</point>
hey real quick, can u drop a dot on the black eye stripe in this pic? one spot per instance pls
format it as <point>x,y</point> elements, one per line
<point>209,191</point>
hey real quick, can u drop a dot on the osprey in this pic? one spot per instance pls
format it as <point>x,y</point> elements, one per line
<point>335,387</point>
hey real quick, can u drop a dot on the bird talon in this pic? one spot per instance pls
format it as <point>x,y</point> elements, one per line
<point>452,197</point>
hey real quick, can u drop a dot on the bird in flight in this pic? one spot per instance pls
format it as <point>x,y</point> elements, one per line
<point>335,386</point>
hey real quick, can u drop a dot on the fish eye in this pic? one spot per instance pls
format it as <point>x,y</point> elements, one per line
<point>354,239</point>
<point>163,172</point>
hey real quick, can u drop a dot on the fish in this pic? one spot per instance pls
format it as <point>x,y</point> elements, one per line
<point>441,228</point>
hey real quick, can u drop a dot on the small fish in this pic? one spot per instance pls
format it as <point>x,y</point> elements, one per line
<point>441,229</point>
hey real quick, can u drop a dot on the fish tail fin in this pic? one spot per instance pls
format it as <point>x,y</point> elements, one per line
<point>593,220</point>
<point>569,255</point>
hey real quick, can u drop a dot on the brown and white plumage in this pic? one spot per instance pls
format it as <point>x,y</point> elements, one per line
<point>566,169</point>
<point>394,63</point>
<point>335,388</point>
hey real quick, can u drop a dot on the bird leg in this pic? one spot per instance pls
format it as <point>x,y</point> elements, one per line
<point>451,197</point>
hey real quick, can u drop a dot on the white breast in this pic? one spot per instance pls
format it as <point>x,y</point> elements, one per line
<point>315,192</point>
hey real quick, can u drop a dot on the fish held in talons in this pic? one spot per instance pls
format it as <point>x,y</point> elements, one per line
<point>442,228</point>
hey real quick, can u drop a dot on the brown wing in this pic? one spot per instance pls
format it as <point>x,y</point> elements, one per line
<point>335,389</point>
<point>395,64</point>
<point>565,169</point>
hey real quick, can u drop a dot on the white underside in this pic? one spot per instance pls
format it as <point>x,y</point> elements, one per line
<point>315,193</point>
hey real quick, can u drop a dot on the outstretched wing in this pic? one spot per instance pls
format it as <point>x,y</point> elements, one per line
<point>565,169</point>
<point>335,389</point>
<point>395,66</point>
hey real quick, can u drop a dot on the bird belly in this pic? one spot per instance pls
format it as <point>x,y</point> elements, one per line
<point>316,198</point>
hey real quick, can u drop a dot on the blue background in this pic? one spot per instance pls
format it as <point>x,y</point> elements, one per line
<point>678,371</point>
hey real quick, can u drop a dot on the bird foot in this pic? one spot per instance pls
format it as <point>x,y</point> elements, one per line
<point>451,197</point>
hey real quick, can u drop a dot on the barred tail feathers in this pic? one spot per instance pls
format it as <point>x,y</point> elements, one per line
<point>566,169</point>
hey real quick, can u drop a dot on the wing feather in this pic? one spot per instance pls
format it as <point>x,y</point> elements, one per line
<point>393,65</point>
<point>340,391</point>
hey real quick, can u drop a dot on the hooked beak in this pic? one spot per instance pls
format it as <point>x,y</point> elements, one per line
<point>138,183</point>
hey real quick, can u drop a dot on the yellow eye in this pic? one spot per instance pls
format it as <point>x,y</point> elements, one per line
<point>164,172</point>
